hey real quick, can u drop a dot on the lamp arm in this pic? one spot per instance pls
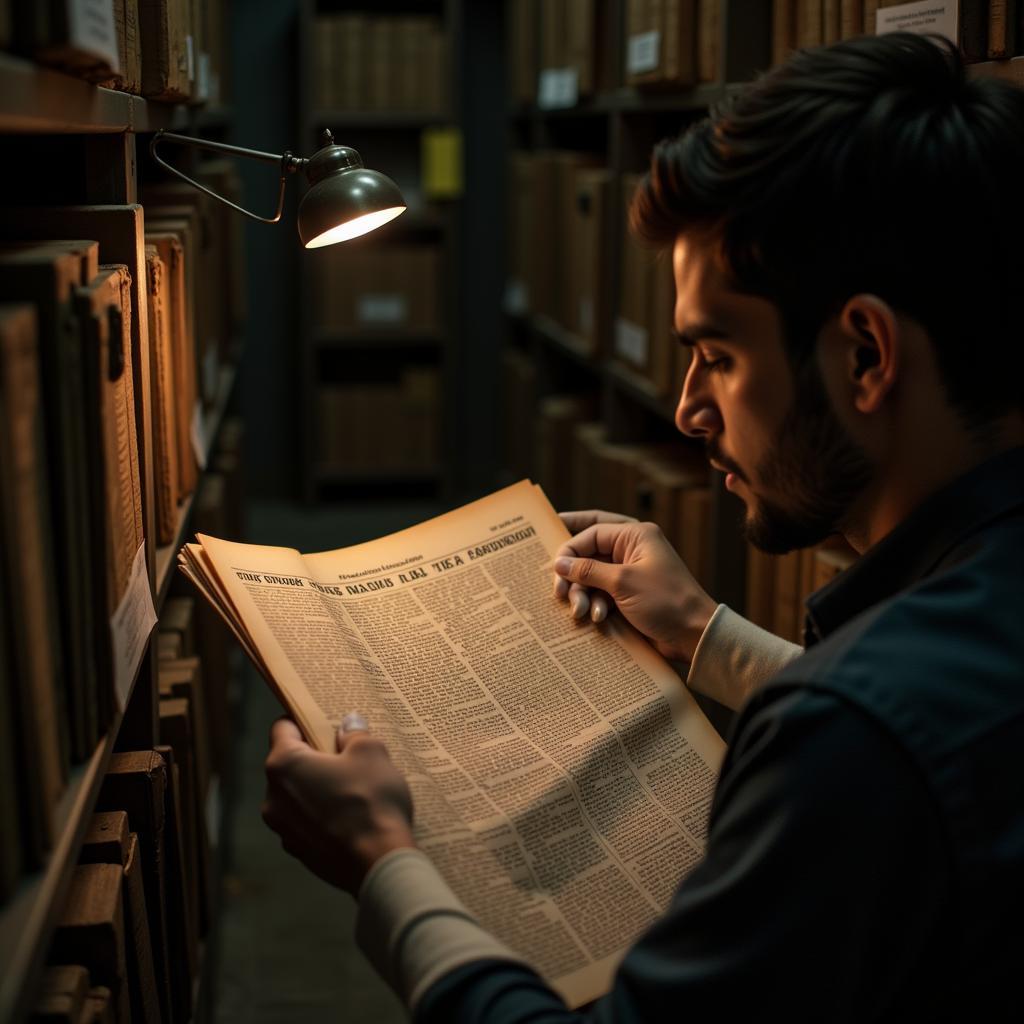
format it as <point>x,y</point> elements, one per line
<point>288,162</point>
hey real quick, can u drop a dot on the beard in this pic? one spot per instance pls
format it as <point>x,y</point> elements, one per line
<point>815,464</point>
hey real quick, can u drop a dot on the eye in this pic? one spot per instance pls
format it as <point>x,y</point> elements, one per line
<point>715,363</point>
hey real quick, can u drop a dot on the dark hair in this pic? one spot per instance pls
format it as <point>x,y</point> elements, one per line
<point>873,165</point>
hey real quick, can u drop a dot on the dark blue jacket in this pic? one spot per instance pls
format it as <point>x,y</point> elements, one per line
<point>866,852</point>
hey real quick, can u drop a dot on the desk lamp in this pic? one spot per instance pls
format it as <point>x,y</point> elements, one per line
<point>345,199</point>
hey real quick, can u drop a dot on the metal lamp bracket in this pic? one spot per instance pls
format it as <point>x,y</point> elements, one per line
<point>288,162</point>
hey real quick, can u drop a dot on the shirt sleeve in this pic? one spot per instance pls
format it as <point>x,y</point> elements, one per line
<point>414,929</point>
<point>734,657</point>
<point>824,888</point>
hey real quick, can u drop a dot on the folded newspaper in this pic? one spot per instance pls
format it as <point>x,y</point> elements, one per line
<point>561,772</point>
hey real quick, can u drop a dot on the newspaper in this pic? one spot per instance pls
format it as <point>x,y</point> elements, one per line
<point>561,772</point>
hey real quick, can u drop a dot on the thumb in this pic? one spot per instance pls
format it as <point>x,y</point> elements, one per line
<point>588,572</point>
<point>285,734</point>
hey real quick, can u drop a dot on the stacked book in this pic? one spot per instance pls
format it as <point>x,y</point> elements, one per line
<point>380,64</point>
<point>982,29</point>
<point>173,50</point>
<point>113,324</point>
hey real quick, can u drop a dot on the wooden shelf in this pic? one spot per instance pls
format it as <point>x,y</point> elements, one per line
<point>640,389</point>
<point>338,475</point>
<point>166,557</point>
<point>29,917</point>
<point>1011,70</point>
<point>38,99</point>
<point>379,337</point>
<point>563,341</point>
<point>635,101</point>
<point>629,100</point>
<point>214,118</point>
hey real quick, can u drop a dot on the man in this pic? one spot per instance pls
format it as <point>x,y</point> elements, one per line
<point>846,238</point>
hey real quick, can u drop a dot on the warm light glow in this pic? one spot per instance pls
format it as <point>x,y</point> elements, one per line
<point>356,227</point>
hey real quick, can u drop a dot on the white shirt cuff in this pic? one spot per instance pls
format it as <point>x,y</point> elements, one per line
<point>413,928</point>
<point>734,657</point>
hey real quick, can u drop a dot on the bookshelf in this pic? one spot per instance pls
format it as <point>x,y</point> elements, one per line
<point>615,126</point>
<point>99,129</point>
<point>338,355</point>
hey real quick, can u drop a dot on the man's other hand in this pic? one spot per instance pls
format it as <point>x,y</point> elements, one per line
<point>615,558</point>
<point>337,813</point>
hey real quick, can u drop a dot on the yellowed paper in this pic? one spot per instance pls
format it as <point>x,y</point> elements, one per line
<point>561,772</point>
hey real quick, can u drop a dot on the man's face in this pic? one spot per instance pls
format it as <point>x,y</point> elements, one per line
<point>774,433</point>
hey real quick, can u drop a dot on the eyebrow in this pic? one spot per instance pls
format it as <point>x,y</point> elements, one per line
<point>693,333</point>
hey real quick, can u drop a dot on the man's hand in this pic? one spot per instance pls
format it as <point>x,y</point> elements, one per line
<point>636,567</point>
<point>337,813</point>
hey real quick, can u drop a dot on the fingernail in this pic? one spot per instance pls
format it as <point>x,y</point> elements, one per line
<point>354,722</point>
<point>597,613</point>
<point>563,565</point>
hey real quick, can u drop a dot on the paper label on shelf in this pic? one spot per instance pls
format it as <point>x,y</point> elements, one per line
<point>441,163</point>
<point>92,29</point>
<point>643,51</point>
<point>631,341</point>
<point>382,308</point>
<point>921,16</point>
<point>203,77</point>
<point>198,433</point>
<point>587,314</point>
<point>131,625</point>
<point>516,300</point>
<point>558,88</point>
<point>190,58</point>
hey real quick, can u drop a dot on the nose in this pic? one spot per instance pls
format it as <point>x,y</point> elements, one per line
<point>697,414</point>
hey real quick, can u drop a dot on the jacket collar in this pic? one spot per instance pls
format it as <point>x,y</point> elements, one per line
<point>921,543</point>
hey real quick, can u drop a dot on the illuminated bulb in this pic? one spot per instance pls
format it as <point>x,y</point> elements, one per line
<point>355,227</point>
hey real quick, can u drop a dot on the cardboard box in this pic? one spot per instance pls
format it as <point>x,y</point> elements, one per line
<point>709,18</point>
<point>590,296</point>
<point>523,32</point>
<point>381,49</point>
<point>165,26</point>
<point>631,342</point>
<point>520,376</point>
<point>661,43</point>
<point>557,417</point>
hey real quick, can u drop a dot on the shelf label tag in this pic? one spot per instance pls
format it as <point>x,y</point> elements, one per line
<point>516,300</point>
<point>442,163</point>
<point>382,308</point>
<point>922,16</point>
<point>558,88</point>
<point>642,52</point>
<point>203,77</point>
<point>131,625</point>
<point>198,434</point>
<point>92,29</point>
<point>631,342</point>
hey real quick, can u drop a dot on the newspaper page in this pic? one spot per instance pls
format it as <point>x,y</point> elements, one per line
<point>561,772</point>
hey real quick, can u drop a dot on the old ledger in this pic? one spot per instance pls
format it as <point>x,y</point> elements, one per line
<point>561,772</point>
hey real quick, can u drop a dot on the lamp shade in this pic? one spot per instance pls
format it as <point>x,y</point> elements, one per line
<point>345,199</point>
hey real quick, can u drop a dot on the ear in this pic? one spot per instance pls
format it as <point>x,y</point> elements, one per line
<point>872,341</point>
